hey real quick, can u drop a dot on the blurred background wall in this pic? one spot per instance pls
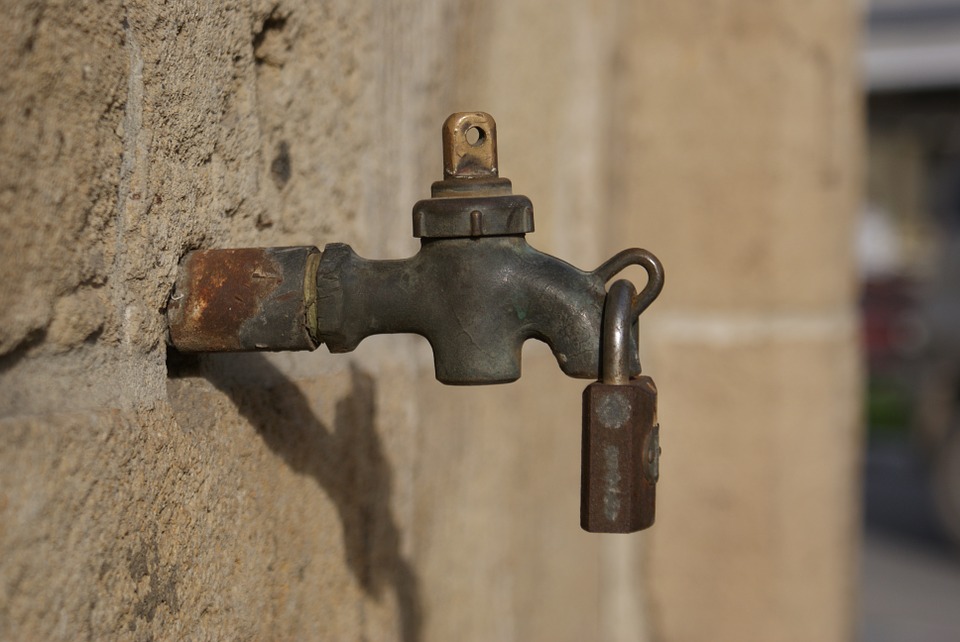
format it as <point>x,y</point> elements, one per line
<point>740,166</point>
<point>291,496</point>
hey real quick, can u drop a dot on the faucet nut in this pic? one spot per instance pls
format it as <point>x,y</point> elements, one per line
<point>472,216</point>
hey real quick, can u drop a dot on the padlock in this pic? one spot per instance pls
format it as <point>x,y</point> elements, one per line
<point>621,437</point>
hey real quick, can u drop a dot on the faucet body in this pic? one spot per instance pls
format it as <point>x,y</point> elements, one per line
<point>476,300</point>
<point>476,290</point>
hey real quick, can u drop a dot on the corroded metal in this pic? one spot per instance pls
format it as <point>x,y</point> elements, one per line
<point>475,300</point>
<point>621,436</point>
<point>476,290</point>
<point>245,299</point>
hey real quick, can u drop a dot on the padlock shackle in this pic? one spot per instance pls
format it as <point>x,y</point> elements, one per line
<point>622,308</point>
<point>618,320</point>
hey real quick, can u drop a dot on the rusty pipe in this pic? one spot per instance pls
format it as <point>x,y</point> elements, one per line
<point>245,299</point>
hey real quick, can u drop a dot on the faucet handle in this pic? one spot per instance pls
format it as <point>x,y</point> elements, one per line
<point>470,146</point>
<point>472,200</point>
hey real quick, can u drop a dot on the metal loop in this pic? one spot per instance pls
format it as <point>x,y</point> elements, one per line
<point>618,321</point>
<point>646,260</point>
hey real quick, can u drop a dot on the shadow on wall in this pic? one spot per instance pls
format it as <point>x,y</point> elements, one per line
<point>347,462</point>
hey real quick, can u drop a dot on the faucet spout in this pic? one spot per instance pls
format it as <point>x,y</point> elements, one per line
<point>475,300</point>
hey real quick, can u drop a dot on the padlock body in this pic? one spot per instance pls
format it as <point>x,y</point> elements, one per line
<point>620,456</point>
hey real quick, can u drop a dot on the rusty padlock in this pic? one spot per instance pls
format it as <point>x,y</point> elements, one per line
<point>621,437</point>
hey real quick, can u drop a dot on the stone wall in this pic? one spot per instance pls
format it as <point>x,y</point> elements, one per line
<point>310,496</point>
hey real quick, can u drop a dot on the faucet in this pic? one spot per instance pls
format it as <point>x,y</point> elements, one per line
<point>476,291</point>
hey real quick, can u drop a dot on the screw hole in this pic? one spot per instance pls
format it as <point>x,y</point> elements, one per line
<point>475,136</point>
